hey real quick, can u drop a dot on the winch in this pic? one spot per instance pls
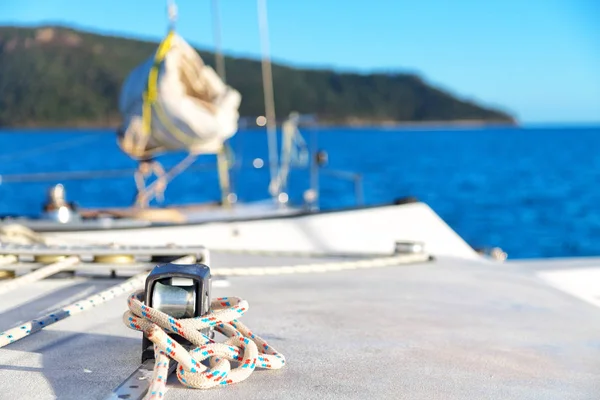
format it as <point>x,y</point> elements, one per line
<point>181,291</point>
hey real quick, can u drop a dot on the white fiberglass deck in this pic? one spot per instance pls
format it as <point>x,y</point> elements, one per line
<point>448,329</point>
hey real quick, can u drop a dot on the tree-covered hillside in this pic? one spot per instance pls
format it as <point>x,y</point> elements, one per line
<point>60,77</point>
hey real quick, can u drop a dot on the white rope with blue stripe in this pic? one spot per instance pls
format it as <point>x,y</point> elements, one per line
<point>242,347</point>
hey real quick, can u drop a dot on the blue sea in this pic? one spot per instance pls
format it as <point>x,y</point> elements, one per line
<point>531,191</point>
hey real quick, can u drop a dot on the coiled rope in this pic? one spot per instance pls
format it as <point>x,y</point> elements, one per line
<point>242,346</point>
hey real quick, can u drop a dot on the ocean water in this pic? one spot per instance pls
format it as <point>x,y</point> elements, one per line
<point>532,191</point>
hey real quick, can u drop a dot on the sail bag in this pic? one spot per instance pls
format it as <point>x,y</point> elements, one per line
<point>173,102</point>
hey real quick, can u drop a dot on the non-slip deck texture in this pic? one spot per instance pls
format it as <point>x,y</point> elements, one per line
<point>449,329</point>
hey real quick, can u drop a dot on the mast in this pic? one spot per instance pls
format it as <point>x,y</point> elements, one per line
<point>227,197</point>
<point>267,77</point>
<point>172,13</point>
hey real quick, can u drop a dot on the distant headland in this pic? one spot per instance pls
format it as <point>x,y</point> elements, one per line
<point>61,77</point>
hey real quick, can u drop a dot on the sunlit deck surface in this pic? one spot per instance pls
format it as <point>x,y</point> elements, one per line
<point>447,329</point>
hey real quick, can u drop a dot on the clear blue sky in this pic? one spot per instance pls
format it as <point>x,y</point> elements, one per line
<point>539,59</point>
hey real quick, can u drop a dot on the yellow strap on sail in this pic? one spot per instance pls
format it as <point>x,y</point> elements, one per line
<point>151,92</point>
<point>151,95</point>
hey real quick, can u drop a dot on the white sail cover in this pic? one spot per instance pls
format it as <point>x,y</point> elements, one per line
<point>193,110</point>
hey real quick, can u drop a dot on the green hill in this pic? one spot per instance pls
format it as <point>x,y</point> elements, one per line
<point>55,76</point>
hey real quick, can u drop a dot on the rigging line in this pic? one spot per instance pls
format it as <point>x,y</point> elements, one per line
<point>267,77</point>
<point>49,147</point>
<point>30,327</point>
<point>82,175</point>
<point>38,274</point>
<point>151,190</point>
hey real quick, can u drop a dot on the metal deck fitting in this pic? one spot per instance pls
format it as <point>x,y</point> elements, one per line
<point>103,254</point>
<point>50,260</point>
<point>6,274</point>
<point>114,259</point>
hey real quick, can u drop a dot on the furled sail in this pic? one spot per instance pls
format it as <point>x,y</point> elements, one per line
<point>173,101</point>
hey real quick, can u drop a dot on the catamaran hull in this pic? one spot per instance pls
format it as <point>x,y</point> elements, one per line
<point>370,230</point>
